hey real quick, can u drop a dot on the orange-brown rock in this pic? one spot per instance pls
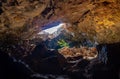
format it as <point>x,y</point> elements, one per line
<point>85,52</point>
<point>99,18</point>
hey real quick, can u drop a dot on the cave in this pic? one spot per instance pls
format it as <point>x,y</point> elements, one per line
<point>59,39</point>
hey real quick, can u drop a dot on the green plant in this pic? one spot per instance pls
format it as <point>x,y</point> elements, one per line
<point>63,43</point>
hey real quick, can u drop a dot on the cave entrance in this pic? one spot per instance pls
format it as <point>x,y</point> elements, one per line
<point>53,35</point>
<point>56,35</point>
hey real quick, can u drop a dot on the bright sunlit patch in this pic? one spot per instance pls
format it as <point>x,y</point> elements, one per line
<point>52,29</point>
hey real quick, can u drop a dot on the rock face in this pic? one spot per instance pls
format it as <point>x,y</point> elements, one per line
<point>85,52</point>
<point>95,18</point>
<point>19,11</point>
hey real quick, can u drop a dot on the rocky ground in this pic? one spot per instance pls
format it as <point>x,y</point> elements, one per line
<point>43,63</point>
<point>85,52</point>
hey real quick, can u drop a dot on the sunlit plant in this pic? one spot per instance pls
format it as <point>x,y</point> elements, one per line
<point>62,43</point>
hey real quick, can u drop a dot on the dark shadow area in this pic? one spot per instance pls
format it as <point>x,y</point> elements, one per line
<point>12,70</point>
<point>45,61</point>
<point>113,57</point>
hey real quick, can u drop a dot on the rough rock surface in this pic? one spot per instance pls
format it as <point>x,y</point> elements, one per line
<point>95,18</point>
<point>85,52</point>
<point>99,18</point>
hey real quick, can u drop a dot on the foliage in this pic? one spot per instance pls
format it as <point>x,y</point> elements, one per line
<point>63,43</point>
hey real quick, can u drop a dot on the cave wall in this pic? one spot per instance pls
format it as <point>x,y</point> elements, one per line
<point>99,18</point>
